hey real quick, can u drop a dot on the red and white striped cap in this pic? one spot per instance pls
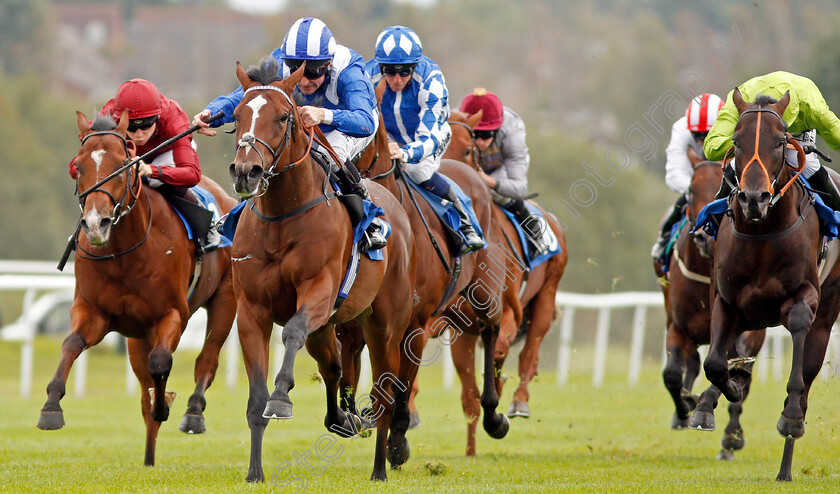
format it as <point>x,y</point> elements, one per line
<point>702,112</point>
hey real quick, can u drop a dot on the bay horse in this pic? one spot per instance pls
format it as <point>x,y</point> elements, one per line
<point>767,269</point>
<point>443,296</point>
<point>291,250</point>
<point>134,266</point>
<point>686,290</point>
<point>528,298</point>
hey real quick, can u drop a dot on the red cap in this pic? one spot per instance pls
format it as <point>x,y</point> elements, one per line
<point>482,99</point>
<point>140,97</point>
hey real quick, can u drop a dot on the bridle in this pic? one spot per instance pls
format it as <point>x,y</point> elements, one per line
<point>133,180</point>
<point>771,184</point>
<point>475,151</point>
<point>119,209</point>
<point>249,139</point>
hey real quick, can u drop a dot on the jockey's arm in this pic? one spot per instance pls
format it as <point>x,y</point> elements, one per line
<point>719,139</point>
<point>356,115</point>
<point>512,176</point>
<point>433,131</point>
<point>678,170</point>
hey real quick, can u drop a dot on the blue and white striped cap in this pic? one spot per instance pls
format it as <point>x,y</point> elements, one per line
<point>398,45</point>
<point>308,39</point>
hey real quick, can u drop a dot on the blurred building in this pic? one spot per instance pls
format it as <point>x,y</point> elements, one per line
<point>189,52</point>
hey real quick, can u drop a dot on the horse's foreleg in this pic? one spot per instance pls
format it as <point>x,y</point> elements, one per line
<point>166,333</point>
<point>463,356</point>
<point>88,329</point>
<point>254,335</point>
<point>673,375</point>
<point>410,354</point>
<point>221,311</point>
<point>723,336</point>
<point>138,356</point>
<point>495,424</point>
<point>351,339</point>
<point>323,347</point>
<point>797,316</point>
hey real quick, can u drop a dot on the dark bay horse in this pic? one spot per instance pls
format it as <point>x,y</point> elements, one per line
<point>134,266</point>
<point>528,299</point>
<point>290,255</point>
<point>438,286</point>
<point>686,290</point>
<point>767,269</point>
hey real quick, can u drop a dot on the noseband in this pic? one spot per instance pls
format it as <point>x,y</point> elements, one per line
<point>771,185</point>
<point>119,209</point>
<point>248,139</point>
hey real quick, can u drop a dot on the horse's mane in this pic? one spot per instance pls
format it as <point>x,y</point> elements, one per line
<point>763,100</point>
<point>103,122</point>
<point>266,72</point>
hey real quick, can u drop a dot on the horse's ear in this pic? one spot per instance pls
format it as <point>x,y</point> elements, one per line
<point>473,120</point>
<point>740,104</point>
<point>244,80</point>
<point>290,82</point>
<point>132,148</point>
<point>82,123</point>
<point>783,103</point>
<point>380,90</point>
<point>122,125</point>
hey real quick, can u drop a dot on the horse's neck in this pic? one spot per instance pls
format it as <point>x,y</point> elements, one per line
<point>292,188</point>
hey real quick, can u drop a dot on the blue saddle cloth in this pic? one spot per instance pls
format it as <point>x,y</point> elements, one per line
<point>209,202</point>
<point>672,242</point>
<point>829,218</point>
<point>527,247</point>
<point>370,209</point>
<point>445,210</point>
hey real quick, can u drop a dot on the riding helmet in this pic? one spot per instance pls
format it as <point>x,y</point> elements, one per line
<point>140,97</point>
<point>702,112</point>
<point>482,99</point>
<point>308,39</point>
<point>398,45</point>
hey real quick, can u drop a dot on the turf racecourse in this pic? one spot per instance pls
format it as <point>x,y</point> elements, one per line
<point>615,439</point>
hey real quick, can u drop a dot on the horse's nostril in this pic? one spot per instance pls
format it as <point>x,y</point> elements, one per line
<point>232,171</point>
<point>256,173</point>
<point>765,197</point>
<point>84,225</point>
<point>104,224</point>
<point>742,196</point>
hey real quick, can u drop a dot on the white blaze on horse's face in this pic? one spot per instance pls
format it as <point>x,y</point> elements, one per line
<point>97,158</point>
<point>255,105</point>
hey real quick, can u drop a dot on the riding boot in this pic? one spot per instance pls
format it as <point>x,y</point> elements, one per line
<point>658,251</point>
<point>473,240</point>
<point>200,219</point>
<point>351,183</point>
<point>531,224</point>
<point>726,186</point>
<point>821,182</point>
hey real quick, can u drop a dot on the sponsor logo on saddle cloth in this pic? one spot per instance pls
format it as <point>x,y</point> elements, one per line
<point>546,233</point>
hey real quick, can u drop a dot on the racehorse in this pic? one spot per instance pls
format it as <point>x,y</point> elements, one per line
<point>527,299</point>
<point>688,312</point>
<point>291,251</point>
<point>134,268</point>
<point>437,287</point>
<point>767,265</point>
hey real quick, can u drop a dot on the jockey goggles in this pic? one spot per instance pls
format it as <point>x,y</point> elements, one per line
<point>314,68</point>
<point>142,123</point>
<point>391,70</point>
<point>484,134</point>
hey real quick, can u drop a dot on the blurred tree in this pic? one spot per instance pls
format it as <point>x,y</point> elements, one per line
<point>24,35</point>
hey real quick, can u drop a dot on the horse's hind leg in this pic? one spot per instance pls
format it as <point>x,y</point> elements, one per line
<point>541,315</point>
<point>800,315</point>
<point>463,356</point>
<point>323,347</point>
<point>673,375</point>
<point>733,434</point>
<point>221,311</point>
<point>138,352</point>
<point>351,338</point>
<point>495,424</point>
<point>166,333</point>
<point>88,329</point>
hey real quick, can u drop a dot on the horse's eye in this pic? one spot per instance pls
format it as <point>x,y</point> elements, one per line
<point>283,118</point>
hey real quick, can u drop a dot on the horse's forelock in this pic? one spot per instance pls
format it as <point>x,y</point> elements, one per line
<point>103,122</point>
<point>266,72</point>
<point>763,100</point>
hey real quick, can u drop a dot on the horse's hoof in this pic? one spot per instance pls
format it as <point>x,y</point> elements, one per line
<point>677,423</point>
<point>726,455</point>
<point>413,420</point>
<point>379,477</point>
<point>784,477</point>
<point>702,421</point>
<point>278,409</point>
<point>51,421</point>
<point>192,424</point>
<point>398,454</point>
<point>791,428</point>
<point>733,441</point>
<point>519,409</point>
<point>351,426</point>
<point>500,431</point>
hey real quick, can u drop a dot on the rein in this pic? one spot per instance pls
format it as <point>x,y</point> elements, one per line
<point>476,152</point>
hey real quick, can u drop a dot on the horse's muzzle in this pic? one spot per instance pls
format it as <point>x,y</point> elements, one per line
<point>246,178</point>
<point>754,204</point>
<point>96,227</point>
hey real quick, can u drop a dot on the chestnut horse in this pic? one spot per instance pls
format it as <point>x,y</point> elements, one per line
<point>134,265</point>
<point>291,251</point>
<point>528,298</point>
<point>767,270</point>
<point>688,311</point>
<point>438,287</point>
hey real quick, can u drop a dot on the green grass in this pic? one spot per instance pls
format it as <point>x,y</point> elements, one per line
<point>614,439</point>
